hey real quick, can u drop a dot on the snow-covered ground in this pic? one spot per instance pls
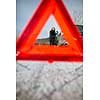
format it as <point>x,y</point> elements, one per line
<point>45,81</point>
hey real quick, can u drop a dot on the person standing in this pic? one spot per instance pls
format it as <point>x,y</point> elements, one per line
<point>52,36</point>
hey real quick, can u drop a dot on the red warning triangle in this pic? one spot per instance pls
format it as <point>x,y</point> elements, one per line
<point>27,51</point>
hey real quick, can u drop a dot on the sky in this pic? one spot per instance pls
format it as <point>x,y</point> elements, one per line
<point>25,9</point>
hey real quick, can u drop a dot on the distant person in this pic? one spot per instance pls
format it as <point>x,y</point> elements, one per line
<point>52,36</point>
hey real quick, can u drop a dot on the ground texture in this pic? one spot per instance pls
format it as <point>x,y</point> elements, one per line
<point>45,81</point>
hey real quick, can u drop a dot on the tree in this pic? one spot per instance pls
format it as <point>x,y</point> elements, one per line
<point>78,17</point>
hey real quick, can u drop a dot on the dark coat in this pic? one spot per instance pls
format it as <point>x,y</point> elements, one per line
<point>52,37</point>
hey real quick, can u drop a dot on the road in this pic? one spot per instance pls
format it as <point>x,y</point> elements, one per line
<point>45,81</point>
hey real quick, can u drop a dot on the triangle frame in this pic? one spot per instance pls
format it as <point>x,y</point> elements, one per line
<point>24,45</point>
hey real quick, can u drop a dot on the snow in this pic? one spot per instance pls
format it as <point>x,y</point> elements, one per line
<point>45,81</point>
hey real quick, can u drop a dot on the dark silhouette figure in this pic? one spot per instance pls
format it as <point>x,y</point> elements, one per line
<point>52,36</point>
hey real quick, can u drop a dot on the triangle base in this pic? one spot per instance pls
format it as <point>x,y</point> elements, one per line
<point>37,57</point>
<point>50,53</point>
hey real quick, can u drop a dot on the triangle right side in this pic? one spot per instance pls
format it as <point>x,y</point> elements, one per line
<point>66,25</point>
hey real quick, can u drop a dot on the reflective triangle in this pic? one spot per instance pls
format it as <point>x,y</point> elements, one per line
<point>26,50</point>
